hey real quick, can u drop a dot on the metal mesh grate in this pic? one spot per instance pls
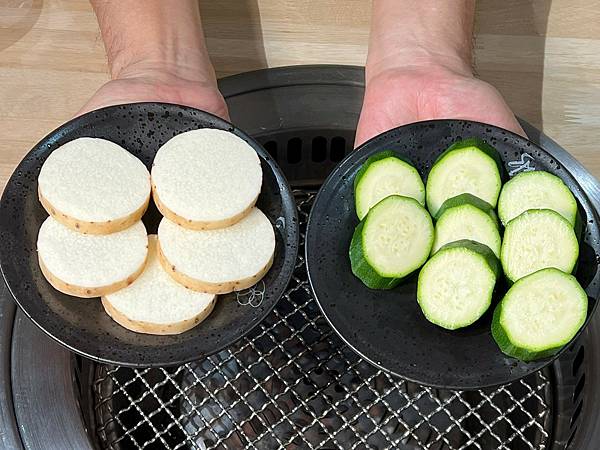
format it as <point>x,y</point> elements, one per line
<point>293,384</point>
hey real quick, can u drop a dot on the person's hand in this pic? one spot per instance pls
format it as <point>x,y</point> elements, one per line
<point>399,96</point>
<point>156,53</point>
<point>419,68</point>
<point>158,85</point>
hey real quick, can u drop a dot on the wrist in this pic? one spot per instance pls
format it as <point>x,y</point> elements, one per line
<point>154,35</point>
<point>420,34</point>
<point>163,64</point>
<point>417,59</point>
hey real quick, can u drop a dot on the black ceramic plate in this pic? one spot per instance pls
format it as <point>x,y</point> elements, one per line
<point>81,324</point>
<point>388,327</point>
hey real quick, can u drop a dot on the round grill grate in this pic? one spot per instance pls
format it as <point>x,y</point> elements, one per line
<point>293,384</point>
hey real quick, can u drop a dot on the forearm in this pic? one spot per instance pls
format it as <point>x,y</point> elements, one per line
<point>150,35</point>
<point>421,32</point>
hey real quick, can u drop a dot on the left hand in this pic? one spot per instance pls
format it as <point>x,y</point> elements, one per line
<point>158,85</point>
<point>402,95</point>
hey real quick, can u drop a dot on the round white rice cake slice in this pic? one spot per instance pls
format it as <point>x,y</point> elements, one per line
<point>206,179</point>
<point>155,303</point>
<point>94,186</point>
<point>88,265</point>
<point>218,261</point>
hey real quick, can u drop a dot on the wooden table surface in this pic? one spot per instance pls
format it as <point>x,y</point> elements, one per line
<point>542,55</point>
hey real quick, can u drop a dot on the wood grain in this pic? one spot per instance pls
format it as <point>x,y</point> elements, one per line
<point>541,54</point>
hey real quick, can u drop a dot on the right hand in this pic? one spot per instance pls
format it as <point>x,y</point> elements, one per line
<point>410,94</point>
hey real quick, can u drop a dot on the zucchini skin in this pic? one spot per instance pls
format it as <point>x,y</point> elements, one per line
<point>362,269</point>
<point>481,145</point>
<point>511,280</point>
<point>507,347</point>
<point>378,157</point>
<point>490,258</point>
<point>485,152</point>
<point>388,157</point>
<point>541,178</point>
<point>360,265</point>
<point>493,264</point>
<point>468,199</point>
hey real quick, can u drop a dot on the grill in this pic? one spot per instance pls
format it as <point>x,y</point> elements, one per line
<point>291,383</point>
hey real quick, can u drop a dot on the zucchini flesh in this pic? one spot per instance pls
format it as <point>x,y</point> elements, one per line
<point>468,199</point>
<point>482,146</point>
<point>466,167</point>
<point>461,219</point>
<point>361,267</point>
<point>455,286</point>
<point>391,242</point>
<point>535,240</point>
<point>539,314</point>
<point>536,190</point>
<point>382,175</point>
<point>490,258</point>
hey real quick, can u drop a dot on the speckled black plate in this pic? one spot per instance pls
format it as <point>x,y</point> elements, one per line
<point>388,327</point>
<point>81,324</point>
